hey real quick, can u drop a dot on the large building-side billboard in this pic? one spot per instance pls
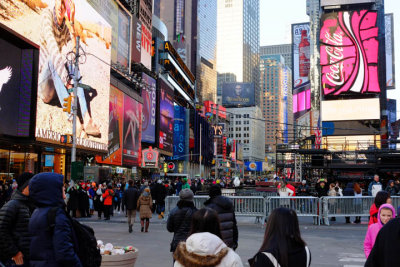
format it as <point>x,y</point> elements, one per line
<point>115,129</point>
<point>344,2</point>
<point>149,109</point>
<point>301,100</point>
<point>132,151</point>
<point>16,78</point>
<point>179,132</point>
<point>238,94</point>
<point>301,51</point>
<point>145,17</point>
<point>53,28</point>
<point>389,50</point>
<point>166,117</point>
<point>349,54</point>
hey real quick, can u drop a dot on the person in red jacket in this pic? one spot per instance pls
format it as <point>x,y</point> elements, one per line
<point>382,197</point>
<point>291,187</point>
<point>107,201</point>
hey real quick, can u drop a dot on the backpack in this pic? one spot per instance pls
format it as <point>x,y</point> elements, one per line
<point>88,252</point>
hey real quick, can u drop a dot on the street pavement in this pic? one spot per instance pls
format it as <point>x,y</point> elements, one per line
<point>339,244</point>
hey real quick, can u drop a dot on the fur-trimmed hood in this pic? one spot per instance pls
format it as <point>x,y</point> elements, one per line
<point>205,250</point>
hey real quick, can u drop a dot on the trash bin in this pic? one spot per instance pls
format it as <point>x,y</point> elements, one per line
<point>125,260</point>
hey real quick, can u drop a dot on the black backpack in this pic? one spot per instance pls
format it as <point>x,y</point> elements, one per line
<point>88,252</point>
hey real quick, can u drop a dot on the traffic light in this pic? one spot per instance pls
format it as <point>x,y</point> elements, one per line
<point>63,138</point>
<point>70,139</point>
<point>67,104</point>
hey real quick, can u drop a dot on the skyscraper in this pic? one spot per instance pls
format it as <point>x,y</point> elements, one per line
<point>285,50</point>
<point>238,41</point>
<point>206,75</point>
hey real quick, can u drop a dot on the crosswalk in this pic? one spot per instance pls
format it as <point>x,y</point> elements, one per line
<point>351,259</point>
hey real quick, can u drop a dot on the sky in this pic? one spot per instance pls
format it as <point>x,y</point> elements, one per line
<point>276,18</point>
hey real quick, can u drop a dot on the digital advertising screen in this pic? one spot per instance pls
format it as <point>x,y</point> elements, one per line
<point>16,77</point>
<point>301,51</point>
<point>166,117</point>
<point>389,50</point>
<point>132,135</point>
<point>55,33</point>
<point>149,109</point>
<point>238,94</point>
<point>179,132</point>
<point>349,54</point>
<point>301,100</point>
<point>115,129</point>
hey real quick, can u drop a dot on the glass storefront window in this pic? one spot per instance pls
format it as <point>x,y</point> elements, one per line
<point>13,163</point>
<point>4,160</point>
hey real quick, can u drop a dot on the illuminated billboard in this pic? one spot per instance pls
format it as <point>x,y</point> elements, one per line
<point>179,132</point>
<point>238,94</point>
<point>132,151</point>
<point>115,129</point>
<point>350,109</point>
<point>301,100</point>
<point>389,50</point>
<point>301,51</point>
<point>166,117</point>
<point>349,54</point>
<point>149,109</point>
<point>55,33</point>
<point>344,2</point>
<point>17,70</point>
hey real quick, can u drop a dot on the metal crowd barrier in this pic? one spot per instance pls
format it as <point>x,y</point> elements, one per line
<point>304,206</point>
<point>247,206</point>
<point>345,207</point>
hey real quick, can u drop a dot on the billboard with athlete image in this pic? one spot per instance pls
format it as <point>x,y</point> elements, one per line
<point>149,109</point>
<point>132,137</point>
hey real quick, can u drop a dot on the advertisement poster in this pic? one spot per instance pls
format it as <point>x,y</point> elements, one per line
<point>179,132</point>
<point>16,70</point>
<point>389,49</point>
<point>166,119</point>
<point>136,40</point>
<point>149,109</point>
<point>52,27</point>
<point>349,54</point>
<point>238,94</point>
<point>145,53</point>
<point>132,132</point>
<point>301,51</point>
<point>119,19</point>
<point>114,155</point>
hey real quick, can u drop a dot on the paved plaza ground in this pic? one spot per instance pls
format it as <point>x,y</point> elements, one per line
<point>337,245</point>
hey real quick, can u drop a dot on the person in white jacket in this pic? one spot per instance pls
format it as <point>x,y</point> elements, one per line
<point>204,246</point>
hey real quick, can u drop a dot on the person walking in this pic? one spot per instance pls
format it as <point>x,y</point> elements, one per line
<point>390,188</point>
<point>382,197</point>
<point>144,204</point>
<point>98,201</point>
<point>375,186</point>
<point>180,218</point>
<point>204,246</point>
<point>160,195</point>
<point>51,247</point>
<point>73,201</point>
<point>385,213</point>
<point>349,192</point>
<point>83,201</point>
<point>226,214</point>
<point>107,201</point>
<point>129,199</point>
<point>357,201</point>
<point>14,222</point>
<point>282,245</point>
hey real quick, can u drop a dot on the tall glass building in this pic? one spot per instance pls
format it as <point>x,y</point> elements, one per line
<point>206,75</point>
<point>238,41</point>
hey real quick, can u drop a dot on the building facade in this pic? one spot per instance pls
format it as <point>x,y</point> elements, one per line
<point>247,127</point>
<point>285,50</point>
<point>238,30</point>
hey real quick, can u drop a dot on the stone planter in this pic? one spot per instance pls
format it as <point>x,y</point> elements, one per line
<point>125,260</point>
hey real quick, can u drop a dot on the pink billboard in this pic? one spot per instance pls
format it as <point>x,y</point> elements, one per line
<point>349,53</point>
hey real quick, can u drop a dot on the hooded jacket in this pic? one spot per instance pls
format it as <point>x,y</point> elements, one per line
<point>14,221</point>
<point>50,247</point>
<point>373,212</point>
<point>374,229</point>
<point>226,214</point>
<point>205,250</point>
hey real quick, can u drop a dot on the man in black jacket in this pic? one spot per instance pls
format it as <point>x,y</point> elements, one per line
<point>387,246</point>
<point>14,222</point>
<point>226,213</point>
<point>130,198</point>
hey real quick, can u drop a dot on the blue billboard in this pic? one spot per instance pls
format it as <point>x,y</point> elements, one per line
<point>238,94</point>
<point>179,132</point>
<point>253,166</point>
<point>149,109</point>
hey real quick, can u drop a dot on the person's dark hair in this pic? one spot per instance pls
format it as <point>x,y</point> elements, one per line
<point>205,220</point>
<point>281,233</point>
<point>381,198</point>
<point>130,182</point>
<point>215,190</point>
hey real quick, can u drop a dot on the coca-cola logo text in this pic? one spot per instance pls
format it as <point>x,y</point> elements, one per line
<point>335,52</point>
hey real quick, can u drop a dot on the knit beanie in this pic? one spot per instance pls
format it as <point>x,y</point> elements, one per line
<point>23,180</point>
<point>186,194</point>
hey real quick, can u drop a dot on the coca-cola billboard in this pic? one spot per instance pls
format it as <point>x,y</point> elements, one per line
<point>349,54</point>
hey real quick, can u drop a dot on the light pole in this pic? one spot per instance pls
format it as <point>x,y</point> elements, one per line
<point>75,102</point>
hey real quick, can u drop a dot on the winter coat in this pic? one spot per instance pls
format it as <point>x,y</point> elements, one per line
<point>297,258</point>
<point>186,185</point>
<point>387,246</point>
<point>107,197</point>
<point>98,205</point>
<point>349,190</point>
<point>160,194</point>
<point>303,190</point>
<point>224,207</point>
<point>130,198</point>
<point>373,230</point>
<point>374,187</point>
<point>14,221</point>
<point>391,190</point>
<point>291,187</point>
<point>179,221</point>
<point>83,199</point>
<point>73,201</point>
<point>50,247</point>
<point>373,215</point>
<point>144,204</point>
<point>205,249</point>
<point>321,191</point>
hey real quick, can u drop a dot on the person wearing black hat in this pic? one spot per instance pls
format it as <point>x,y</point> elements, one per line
<point>14,221</point>
<point>226,213</point>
